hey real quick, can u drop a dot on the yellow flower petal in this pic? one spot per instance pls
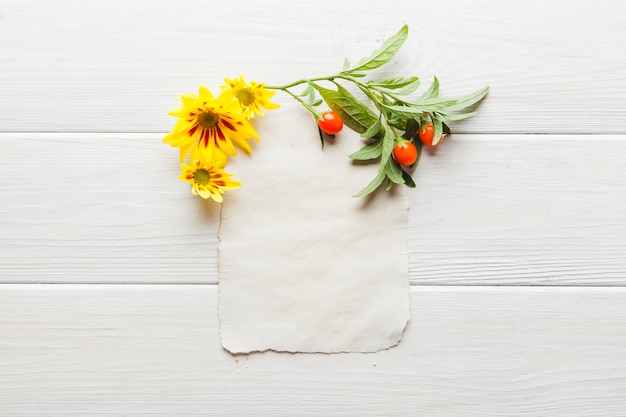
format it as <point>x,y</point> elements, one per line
<point>251,96</point>
<point>208,179</point>
<point>212,125</point>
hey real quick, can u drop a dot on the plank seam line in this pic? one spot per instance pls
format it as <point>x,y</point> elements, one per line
<point>184,283</point>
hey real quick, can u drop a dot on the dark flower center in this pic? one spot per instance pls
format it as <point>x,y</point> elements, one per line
<point>208,119</point>
<point>201,177</point>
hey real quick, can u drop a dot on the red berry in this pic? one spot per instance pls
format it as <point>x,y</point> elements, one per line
<point>427,135</point>
<point>405,153</point>
<point>330,123</point>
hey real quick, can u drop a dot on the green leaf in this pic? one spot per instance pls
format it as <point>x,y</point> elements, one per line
<point>433,90</point>
<point>418,144</point>
<point>446,129</point>
<point>354,114</point>
<point>396,122</point>
<point>412,129</point>
<point>368,152</point>
<point>438,130</point>
<point>458,116</point>
<point>383,54</point>
<point>394,173</point>
<point>373,130</point>
<point>408,89</point>
<point>468,100</point>
<point>346,64</point>
<point>389,141</point>
<point>393,83</point>
<point>306,91</point>
<point>397,86</point>
<point>372,186</point>
<point>408,180</point>
<point>321,136</point>
<point>389,185</point>
<point>416,109</point>
<point>316,102</point>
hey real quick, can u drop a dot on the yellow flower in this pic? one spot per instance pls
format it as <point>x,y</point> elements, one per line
<point>210,125</point>
<point>208,179</point>
<point>251,96</point>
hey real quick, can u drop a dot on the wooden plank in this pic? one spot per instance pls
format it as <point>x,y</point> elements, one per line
<point>118,65</point>
<point>100,208</point>
<point>487,210</point>
<point>154,350</point>
<point>520,210</point>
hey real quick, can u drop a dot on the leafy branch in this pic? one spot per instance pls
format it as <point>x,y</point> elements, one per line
<point>397,117</point>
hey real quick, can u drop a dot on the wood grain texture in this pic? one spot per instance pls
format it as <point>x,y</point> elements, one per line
<point>557,67</point>
<point>516,242</point>
<point>520,210</point>
<point>154,350</point>
<point>100,208</point>
<point>487,210</point>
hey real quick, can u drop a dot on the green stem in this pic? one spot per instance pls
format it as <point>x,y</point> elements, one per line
<point>366,89</point>
<point>399,138</point>
<point>302,81</point>
<point>298,99</point>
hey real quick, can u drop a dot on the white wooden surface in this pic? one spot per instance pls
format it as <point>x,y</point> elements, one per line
<point>517,242</point>
<point>153,350</point>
